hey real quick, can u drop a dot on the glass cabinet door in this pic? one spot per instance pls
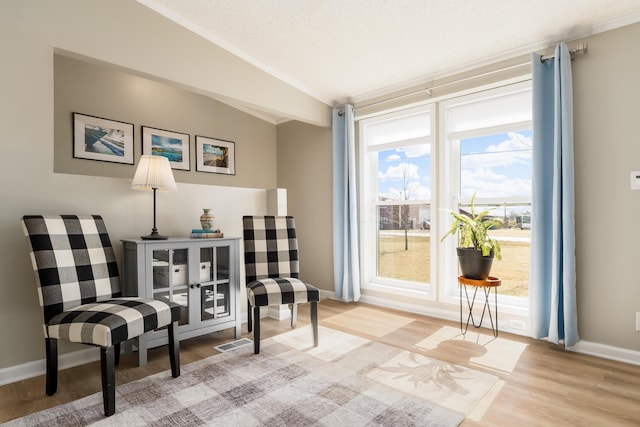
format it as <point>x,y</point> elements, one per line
<point>215,297</point>
<point>171,278</point>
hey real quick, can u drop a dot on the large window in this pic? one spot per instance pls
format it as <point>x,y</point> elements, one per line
<point>398,180</point>
<point>411,176</point>
<point>488,137</point>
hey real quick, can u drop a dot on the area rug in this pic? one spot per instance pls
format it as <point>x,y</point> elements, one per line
<point>345,381</point>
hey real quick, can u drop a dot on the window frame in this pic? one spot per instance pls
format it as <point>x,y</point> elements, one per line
<point>444,262</point>
<point>449,163</point>
<point>369,204</point>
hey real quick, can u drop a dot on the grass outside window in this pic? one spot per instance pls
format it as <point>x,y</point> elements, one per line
<point>414,264</point>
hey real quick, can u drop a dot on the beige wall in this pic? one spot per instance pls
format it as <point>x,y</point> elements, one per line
<point>149,46</point>
<point>304,169</point>
<point>606,92</point>
<point>102,91</point>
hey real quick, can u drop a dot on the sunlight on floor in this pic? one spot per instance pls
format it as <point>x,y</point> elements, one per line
<point>451,386</point>
<point>481,408</point>
<point>498,354</point>
<point>331,343</point>
<point>383,324</point>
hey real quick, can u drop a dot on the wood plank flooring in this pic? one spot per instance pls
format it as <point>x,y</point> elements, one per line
<point>541,384</point>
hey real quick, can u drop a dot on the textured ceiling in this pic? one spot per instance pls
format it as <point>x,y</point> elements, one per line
<point>348,50</point>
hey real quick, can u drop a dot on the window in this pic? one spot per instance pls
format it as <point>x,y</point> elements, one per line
<point>411,176</point>
<point>489,140</point>
<point>397,171</point>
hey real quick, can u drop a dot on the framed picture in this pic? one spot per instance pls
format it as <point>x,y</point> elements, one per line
<point>107,140</point>
<point>172,145</point>
<point>215,155</point>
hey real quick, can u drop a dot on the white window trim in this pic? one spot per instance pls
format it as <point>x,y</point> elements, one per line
<point>368,206</point>
<point>513,317</point>
<point>450,197</point>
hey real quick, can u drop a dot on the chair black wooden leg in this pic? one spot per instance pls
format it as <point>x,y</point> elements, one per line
<point>256,330</point>
<point>116,354</point>
<point>249,322</point>
<point>314,322</point>
<point>107,364</point>
<point>51,347</point>
<point>174,349</point>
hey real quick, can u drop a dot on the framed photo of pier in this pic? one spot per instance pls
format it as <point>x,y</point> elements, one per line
<point>95,138</point>
<point>215,155</point>
<point>172,145</point>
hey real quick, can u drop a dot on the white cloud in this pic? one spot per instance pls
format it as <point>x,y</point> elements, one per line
<point>415,191</point>
<point>516,187</point>
<point>478,169</point>
<point>393,158</point>
<point>480,174</point>
<point>403,171</point>
<point>516,141</point>
<point>516,149</point>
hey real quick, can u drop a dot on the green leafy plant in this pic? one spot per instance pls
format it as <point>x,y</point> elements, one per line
<point>474,231</point>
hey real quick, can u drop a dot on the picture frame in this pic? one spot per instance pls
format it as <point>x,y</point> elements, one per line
<point>215,155</point>
<point>97,138</point>
<point>175,146</point>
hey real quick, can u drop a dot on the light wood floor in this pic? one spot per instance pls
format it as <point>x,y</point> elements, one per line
<point>542,385</point>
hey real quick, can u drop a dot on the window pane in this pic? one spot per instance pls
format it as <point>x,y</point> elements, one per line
<point>404,238</point>
<point>405,173</point>
<point>496,166</point>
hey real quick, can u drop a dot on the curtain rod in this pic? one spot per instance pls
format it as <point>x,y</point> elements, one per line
<point>582,48</point>
<point>429,89</point>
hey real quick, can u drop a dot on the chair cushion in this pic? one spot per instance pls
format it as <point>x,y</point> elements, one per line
<point>111,322</point>
<point>280,290</point>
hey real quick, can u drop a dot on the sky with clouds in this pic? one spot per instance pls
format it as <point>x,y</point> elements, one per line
<point>496,166</point>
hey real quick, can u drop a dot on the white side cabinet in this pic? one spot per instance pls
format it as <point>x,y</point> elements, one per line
<point>202,275</point>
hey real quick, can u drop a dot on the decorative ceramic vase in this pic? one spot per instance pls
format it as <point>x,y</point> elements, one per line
<point>206,220</point>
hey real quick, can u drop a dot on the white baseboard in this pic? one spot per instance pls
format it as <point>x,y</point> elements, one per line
<point>279,312</point>
<point>607,352</point>
<point>27,370</point>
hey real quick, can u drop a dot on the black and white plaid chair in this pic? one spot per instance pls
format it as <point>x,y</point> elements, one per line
<point>272,270</point>
<point>79,291</point>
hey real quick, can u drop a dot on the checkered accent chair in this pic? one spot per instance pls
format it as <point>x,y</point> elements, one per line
<point>79,291</point>
<point>272,270</point>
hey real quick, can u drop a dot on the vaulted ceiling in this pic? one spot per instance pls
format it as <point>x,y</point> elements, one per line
<point>349,50</point>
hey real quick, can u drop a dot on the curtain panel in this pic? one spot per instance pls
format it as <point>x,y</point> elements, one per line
<point>346,264</point>
<point>553,272</point>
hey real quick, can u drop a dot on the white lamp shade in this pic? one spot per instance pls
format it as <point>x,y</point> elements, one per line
<point>154,172</point>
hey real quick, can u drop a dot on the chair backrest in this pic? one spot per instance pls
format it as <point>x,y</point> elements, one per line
<point>72,259</point>
<point>270,247</point>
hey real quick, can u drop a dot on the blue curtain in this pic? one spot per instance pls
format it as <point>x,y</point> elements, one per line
<point>346,264</point>
<point>553,273</point>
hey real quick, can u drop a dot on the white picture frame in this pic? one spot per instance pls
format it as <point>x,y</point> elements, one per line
<point>97,138</point>
<point>175,146</point>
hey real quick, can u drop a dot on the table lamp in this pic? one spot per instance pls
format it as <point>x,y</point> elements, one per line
<point>154,173</point>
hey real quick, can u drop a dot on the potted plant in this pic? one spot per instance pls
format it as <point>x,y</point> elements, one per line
<point>477,249</point>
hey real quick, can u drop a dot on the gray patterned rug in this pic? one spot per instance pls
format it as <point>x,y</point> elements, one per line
<point>346,381</point>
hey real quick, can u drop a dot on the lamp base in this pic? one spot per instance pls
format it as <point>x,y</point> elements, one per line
<point>154,236</point>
